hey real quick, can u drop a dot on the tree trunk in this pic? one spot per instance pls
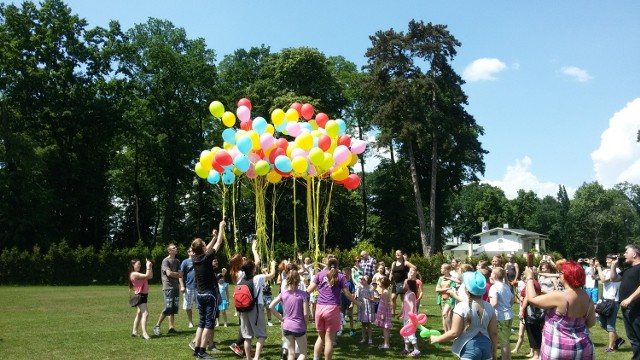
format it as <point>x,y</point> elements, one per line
<point>364,191</point>
<point>426,249</point>
<point>136,190</point>
<point>432,200</point>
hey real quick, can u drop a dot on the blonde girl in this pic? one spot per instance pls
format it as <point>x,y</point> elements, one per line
<point>383,316</point>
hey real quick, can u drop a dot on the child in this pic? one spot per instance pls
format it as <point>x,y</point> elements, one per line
<point>366,315</point>
<point>443,298</point>
<point>295,303</point>
<point>346,307</point>
<point>267,296</point>
<point>501,298</point>
<point>224,297</point>
<point>410,306</point>
<point>383,316</point>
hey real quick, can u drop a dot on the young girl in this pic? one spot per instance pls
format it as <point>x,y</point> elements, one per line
<point>443,299</point>
<point>295,303</point>
<point>365,312</point>
<point>410,306</point>
<point>267,296</point>
<point>383,317</point>
<point>224,297</point>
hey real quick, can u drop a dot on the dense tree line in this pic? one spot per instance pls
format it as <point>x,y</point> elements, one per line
<point>100,129</point>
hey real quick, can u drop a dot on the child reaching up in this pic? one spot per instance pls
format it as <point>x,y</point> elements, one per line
<point>410,306</point>
<point>295,303</point>
<point>383,317</point>
<point>224,297</point>
<point>365,312</point>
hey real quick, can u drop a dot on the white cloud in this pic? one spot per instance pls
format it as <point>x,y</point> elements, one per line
<point>483,69</point>
<point>519,176</point>
<point>618,158</point>
<point>577,73</point>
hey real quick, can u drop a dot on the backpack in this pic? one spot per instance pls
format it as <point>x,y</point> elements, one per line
<point>243,298</point>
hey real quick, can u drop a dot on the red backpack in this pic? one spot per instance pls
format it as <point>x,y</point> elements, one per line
<point>243,298</point>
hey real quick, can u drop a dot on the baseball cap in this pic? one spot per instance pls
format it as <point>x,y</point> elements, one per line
<point>475,283</point>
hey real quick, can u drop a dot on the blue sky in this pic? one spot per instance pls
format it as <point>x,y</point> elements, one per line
<point>555,84</point>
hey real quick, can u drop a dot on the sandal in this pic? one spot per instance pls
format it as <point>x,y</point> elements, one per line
<point>133,334</point>
<point>415,353</point>
<point>382,347</point>
<point>145,337</point>
<point>370,342</point>
<point>363,341</point>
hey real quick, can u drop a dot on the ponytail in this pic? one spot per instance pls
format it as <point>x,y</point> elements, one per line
<point>293,276</point>
<point>333,272</point>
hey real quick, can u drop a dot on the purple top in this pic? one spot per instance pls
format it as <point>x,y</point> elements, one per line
<point>293,305</point>
<point>329,295</point>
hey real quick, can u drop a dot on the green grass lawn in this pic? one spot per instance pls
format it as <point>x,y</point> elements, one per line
<point>95,322</point>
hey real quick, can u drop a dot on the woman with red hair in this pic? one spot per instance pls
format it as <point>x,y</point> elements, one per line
<point>570,314</point>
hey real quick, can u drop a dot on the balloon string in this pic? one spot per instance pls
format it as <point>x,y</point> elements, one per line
<point>295,221</point>
<point>235,227</point>
<point>310,214</point>
<point>227,250</point>
<point>273,217</point>
<point>261,232</point>
<point>326,218</point>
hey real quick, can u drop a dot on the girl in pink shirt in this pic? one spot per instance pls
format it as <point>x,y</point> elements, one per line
<point>410,306</point>
<point>139,282</point>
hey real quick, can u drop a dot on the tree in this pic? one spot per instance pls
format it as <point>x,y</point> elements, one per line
<point>474,204</point>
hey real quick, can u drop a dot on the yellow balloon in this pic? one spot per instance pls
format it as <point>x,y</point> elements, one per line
<point>205,160</point>
<point>227,146</point>
<point>228,119</point>
<point>255,139</point>
<point>332,128</point>
<point>216,108</point>
<point>292,115</point>
<point>340,173</point>
<point>236,171</point>
<point>334,145</point>
<point>270,129</point>
<point>201,172</point>
<point>314,124</point>
<point>273,177</point>
<point>316,155</point>
<point>305,141</point>
<point>316,133</point>
<point>327,162</point>
<point>240,133</point>
<point>354,159</point>
<point>277,117</point>
<point>299,164</point>
<point>290,148</point>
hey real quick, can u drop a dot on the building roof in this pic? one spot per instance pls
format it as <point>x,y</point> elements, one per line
<point>515,231</point>
<point>465,247</point>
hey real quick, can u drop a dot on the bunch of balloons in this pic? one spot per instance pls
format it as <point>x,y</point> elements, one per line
<point>293,144</point>
<point>416,322</point>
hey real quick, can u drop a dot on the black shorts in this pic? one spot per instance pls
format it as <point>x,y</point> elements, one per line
<point>398,288</point>
<point>294,334</point>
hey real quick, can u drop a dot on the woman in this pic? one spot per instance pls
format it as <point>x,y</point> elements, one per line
<point>533,328</point>
<point>610,291</point>
<point>474,324</point>
<point>398,274</point>
<point>329,282</point>
<point>548,282</point>
<point>139,282</point>
<point>570,315</point>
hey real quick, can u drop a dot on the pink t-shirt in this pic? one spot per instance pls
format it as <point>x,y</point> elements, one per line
<point>140,286</point>
<point>409,304</point>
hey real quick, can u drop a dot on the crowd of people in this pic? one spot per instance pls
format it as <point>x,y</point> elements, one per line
<point>558,302</point>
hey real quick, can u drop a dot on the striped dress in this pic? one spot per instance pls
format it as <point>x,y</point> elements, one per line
<point>384,310</point>
<point>565,337</point>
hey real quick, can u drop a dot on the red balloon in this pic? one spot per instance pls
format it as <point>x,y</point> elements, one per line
<point>324,142</point>
<point>260,153</point>
<point>217,166</point>
<point>307,111</point>
<point>321,119</point>
<point>223,158</point>
<point>287,174</point>
<point>244,102</point>
<point>296,105</point>
<point>344,140</point>
<point>245,125</point>
<point>283,143</point>
<point>275,153</point>
<point>352,181</point>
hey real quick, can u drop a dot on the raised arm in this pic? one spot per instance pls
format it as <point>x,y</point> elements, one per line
<point>272,271</point>
<point>218,242</point>
<point>254,250</point>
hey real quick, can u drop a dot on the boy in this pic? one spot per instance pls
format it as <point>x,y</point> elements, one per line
<point>501,298</point>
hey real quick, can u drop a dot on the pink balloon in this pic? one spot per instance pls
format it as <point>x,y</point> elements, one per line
<point>243,113</point>
<point>251,173</point>
<point>253,158</point>
<point>341,154</point>
<point>358,146</point>
<point>312,170</point>
<point>266,141</point>
<point>298,152</point>
<point>408,330</point>
<point>293,128</point>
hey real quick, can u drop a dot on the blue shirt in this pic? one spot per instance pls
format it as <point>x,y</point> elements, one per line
<point>188,274</point>
<point>223,290</point>
<point>352,289</point>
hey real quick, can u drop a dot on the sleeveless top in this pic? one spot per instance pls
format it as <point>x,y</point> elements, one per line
<point>565,337</point>
<point>479,324</point>
<point>140,286</point>
<point>511,271</point>
<point>400,272</point>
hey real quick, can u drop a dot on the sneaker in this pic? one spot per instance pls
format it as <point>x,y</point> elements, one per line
<point>382,347</point>
<point>351,333</point>
<point>212,348</point>
<point>236,349</point>
<point>339,333</point>
<point>415,353</point>
<point>363,341</point>
<point>192,345</point>
<point>156,330</point>
<point>204,355</point>
<point>609,350</point>
<point>225,324</point>
<point>190,325</point>
<point>619,343</point>
<point>270,323</point>
<point>172,331</point>
<point>405,352</point>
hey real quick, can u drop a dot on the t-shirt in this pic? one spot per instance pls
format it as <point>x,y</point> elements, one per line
<point>169,283</point>
<point>140,286</point>
<point>328,295</point>
<point>629,284</point>
<point>293,305</point>
<point>352,289</point>
<point>223,290</point>
<point>258,285</point>
<point>505,297</point>
<point>589,282</point>
<point>188,274</point>
<point>610,288</point>
<point>204,275</point>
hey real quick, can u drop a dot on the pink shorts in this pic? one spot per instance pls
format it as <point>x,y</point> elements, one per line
<point>328,318</point>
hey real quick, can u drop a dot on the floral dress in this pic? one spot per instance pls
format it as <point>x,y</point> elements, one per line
<point>565,337</point>
<point>384,309</point>
<point>365,312</point>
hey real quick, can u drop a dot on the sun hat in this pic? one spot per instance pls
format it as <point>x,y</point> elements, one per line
<point>475,283</point>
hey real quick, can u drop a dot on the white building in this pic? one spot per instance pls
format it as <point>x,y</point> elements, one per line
<point>501,240</point>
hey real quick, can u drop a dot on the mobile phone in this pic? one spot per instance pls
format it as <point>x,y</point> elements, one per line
<point>529,259</point>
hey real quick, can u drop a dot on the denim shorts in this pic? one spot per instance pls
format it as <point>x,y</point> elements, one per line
<point>171,301</point>
<point>609,322</point>
<point>478,348</point>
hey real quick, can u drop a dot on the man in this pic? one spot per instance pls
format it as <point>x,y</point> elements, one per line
<point>170,273</point>
<point>367,263</point>
<point>629,295</point>
<point>610,290</point>
<point>207,290</point>
<point>187,286</point>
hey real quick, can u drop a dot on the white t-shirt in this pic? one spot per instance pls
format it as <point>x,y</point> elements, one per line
<point>258,284</point>
<point>503,293</point>
<point>462,293</point>
<point>610,288</point>
<point>589,282</point>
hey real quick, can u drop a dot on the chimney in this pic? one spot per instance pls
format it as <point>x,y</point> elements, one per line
<point>485,226</point>
<point>505,226</point>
